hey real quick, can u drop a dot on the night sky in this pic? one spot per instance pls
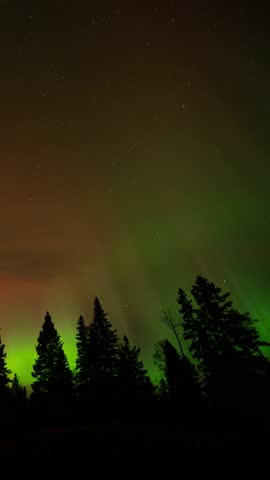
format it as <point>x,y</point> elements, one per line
<point>134,156</point>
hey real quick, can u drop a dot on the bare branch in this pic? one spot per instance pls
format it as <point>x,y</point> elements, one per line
<point>168,319</point>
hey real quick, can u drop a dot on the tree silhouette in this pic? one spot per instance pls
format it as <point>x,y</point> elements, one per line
<point>82,369</point>
<point>168,320</point>
<point>180,375</point>
<point>224,342</point>
<point>18,402</point>
<point>214,327</point>
<point>162,390</point>
<point>103,352</point>
<point>17,389</point>
<point>133,381</point>
<point>4,372</point>
<point>51,371</point>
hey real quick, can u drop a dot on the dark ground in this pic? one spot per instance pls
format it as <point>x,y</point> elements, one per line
<point>118,446</point>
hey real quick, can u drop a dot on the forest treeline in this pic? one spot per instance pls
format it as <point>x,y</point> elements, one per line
<point>217,362</point>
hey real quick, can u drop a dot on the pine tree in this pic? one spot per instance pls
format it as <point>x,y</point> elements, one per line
<point>17,389</point>
<point>82,373</point>
<point>103,351</point>
<point>223,341</point>
<point>18,393</point>
<point>133,381</point>
<point>51,371</point>
<point>214,328</point>
<point>4,372</point>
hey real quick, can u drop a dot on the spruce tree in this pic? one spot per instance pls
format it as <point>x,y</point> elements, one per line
<point>133,381</point>
<point>214,328</point>
<point>82,372</point>
<point>51,370</point>
<point>4,372</point>
<point>17,389</point>
<point>224,342</point>
<point>103,351</point>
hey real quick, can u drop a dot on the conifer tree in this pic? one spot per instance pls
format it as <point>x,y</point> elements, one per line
<point>103,351</point>
<point>82,372</point>
<point>18,394</point>
<point>133,380</point>
<point>214,328</point>
<point>51,370</point>
<point>223,341</point>
<point>17,389</point>
<point>4,371</point>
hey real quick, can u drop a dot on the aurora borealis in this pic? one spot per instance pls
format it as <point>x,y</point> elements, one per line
<point>134,155</point>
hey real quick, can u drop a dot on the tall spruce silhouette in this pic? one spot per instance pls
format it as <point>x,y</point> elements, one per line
<point>214,327</point>
<point>51,370</point>
<point>224,342</point>
<point>82,369</point>
<point>103,352</point>
<point>4,372</point>
<point>133,381</point>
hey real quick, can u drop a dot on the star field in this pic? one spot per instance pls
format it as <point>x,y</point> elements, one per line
<point>134,156</point>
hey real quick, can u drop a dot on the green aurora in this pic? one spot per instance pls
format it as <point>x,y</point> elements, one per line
<point>134,156</point>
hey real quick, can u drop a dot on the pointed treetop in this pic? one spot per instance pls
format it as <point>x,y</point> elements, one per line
<point>4,371</point>
<point>97,304</point>
<point>50,370</point>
